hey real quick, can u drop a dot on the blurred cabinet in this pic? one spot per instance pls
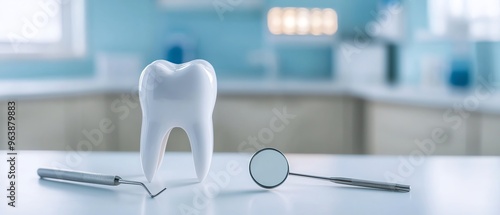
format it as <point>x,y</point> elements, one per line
<point>399,129</point>
<point>245,123</point>
<point>320,124</point>
<point>61,124</point>
<point>41,123</point>
<point>84,116</point>
<point>490,134</point>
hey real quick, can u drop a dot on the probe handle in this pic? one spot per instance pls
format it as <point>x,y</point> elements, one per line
<point>371,184</point>
<point>84,177</point>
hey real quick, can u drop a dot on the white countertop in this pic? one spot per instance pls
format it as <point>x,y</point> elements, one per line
<point>440,185</point>
<point>433,98</point>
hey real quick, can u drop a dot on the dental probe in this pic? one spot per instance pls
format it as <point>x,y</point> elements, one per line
<point>92,178</point>
<point>361,183</point>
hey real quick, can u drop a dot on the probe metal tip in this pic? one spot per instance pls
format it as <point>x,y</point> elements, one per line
<point>141,184</point>
<point>152,196</point>
<point>402,188</point>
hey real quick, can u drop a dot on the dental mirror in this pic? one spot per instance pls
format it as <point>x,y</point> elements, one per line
<point>269,169</point>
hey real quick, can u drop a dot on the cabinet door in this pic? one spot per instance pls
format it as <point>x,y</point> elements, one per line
<point>490,134</point>
<point>89,126</point>
<point>129,118</point>
<point>41,125</point>
<point>397,129</point>
<point>70,124</point>
<point>249,123</point>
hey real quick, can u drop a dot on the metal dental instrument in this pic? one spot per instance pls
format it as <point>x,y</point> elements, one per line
<point>361,183</point>
<point>92,178</point>
<point>269,169</point>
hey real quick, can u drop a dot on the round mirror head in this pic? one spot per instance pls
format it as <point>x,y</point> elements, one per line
<point>268,168</point>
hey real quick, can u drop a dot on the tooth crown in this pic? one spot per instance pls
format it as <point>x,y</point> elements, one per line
<point>177,95</point>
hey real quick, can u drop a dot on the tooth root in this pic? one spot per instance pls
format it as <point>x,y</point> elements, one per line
<point>152,153</point>
<point>202,151</point>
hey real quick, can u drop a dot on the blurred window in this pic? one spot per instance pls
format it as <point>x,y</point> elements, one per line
<point>50,28</point>
<point>476,19</point>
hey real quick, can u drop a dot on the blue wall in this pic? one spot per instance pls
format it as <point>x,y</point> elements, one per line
<point>141,26</point>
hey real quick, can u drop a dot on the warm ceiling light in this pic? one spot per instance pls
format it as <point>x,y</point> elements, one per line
<point>329,21</point>
<point>274,20</point>
<point>302,21</point>
<point>316,22</point>
<point>289,21</point>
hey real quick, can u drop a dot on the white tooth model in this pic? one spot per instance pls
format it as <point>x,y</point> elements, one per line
<point>177,95</point>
